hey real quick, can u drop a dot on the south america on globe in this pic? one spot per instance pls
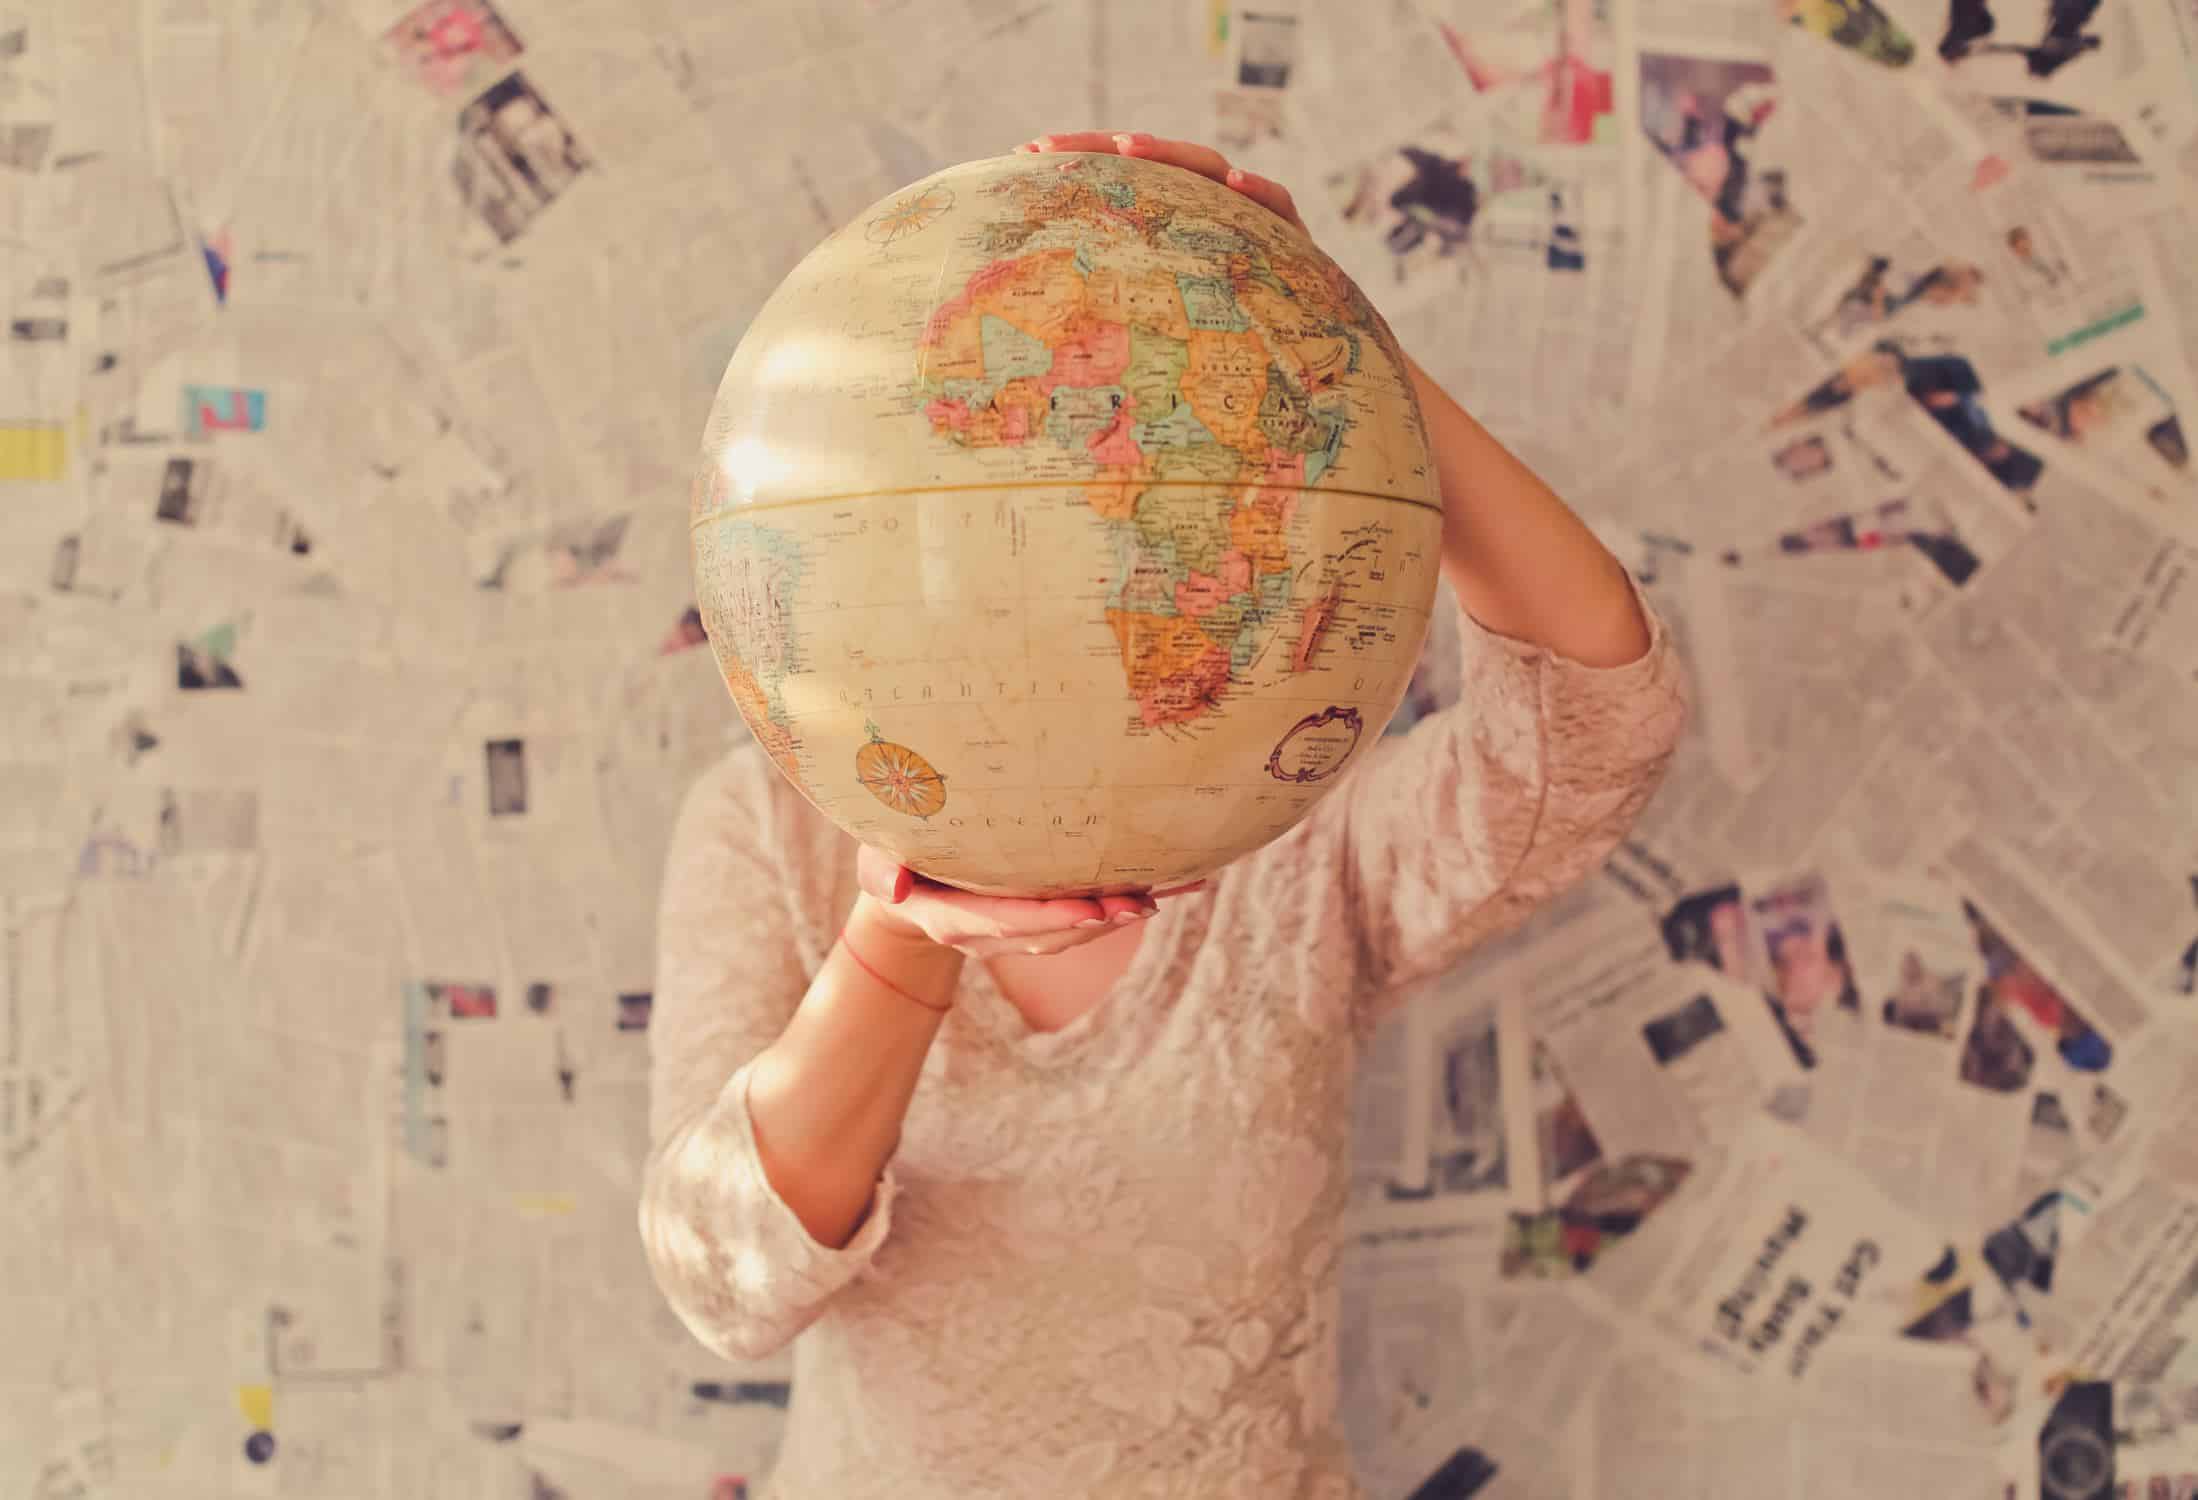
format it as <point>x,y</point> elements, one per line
<point>1065,525</point>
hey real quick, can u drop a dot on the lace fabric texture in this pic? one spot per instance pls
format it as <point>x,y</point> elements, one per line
<point>1103,1261</point>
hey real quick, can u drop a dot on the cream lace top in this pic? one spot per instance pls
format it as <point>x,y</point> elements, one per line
<point>1103,1260</point>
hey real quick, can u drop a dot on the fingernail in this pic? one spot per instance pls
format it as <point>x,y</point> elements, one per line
<point>1124,141</point>
<point>1124,916</point>
<point>1093,922</point>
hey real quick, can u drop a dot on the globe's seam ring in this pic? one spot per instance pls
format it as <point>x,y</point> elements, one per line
<point>752,507</point>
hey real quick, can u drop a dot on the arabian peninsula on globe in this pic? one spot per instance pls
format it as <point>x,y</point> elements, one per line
<point>1066,525</point>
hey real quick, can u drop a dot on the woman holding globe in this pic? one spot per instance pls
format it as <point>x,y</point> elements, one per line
<point>1103,1261</point>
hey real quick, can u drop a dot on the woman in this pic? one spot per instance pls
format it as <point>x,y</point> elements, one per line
<point>1102,1258</point>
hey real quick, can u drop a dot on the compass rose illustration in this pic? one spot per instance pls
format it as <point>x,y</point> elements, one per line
<point>898,776</point>
<point>911,213</point>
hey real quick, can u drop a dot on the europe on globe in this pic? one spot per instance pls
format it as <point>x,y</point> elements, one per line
<point>1065,525</point>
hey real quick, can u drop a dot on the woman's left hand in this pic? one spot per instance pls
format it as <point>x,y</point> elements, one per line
<point>1204,160</point>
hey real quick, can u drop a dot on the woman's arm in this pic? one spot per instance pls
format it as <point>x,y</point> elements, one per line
<point>1571,705</point>
<point>749,1225</point>
<point>1522,563</point>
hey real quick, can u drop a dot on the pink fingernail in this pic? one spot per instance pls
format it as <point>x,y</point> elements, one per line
<point>1093,922</point>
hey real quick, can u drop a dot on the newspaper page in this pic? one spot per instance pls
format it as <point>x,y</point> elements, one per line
<point>1890,1417</point>
<point>1791,1251</point>
<point>1432,1155</point>
<point>2159,619</point>
<point>2114,406</point>
<point>1425,1339</point>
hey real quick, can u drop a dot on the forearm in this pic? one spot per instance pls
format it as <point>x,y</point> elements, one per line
<point>829,1096</point>
<point>1522,563</point>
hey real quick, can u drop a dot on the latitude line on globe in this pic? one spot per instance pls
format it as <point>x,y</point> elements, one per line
<point>1042,484</point>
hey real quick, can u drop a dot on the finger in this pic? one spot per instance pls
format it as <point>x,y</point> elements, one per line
<point>1268,194</point>
<point>1051,944</point>
<point>1203,160</point>
<point>1053,916</point>
<point>1072,140</point>
<point>1120,908</point>
<point>1009,916</point>
<point>882,877</point>
<point>1034,945</point>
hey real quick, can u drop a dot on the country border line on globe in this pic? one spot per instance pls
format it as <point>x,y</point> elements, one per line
<point>752,507</point>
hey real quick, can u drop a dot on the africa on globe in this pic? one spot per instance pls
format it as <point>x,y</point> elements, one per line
<point>1065,525</point>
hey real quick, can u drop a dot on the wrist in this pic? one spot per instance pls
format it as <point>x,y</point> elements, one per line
<point>887,937</point>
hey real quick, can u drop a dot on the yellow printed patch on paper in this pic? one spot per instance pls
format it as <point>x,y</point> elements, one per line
<point>545,1205</point>
<point>33,450</point>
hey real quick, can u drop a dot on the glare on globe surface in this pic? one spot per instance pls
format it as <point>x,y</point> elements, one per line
<point>1065,525</point>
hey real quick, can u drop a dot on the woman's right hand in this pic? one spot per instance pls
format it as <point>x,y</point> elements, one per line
<point>982,926</point>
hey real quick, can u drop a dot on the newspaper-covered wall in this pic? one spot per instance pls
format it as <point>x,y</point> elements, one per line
<point>1834,1141</point>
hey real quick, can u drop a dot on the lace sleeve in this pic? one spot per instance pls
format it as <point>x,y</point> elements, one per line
<point>733,1260</point>
<point>1500,802</point>
<point>1454,832</point>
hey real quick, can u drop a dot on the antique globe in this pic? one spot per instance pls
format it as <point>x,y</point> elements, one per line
<point>1065,525</point>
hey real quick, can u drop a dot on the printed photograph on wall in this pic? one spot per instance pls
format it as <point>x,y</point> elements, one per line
<point>1547,65</point>
<point>515,158</point>
<point>451,46</point>
<point>1710,118</point>
<point>1466,1138</point>
<point>1946,384</point>
<point>507,778</point>
<point>2122,413</point>
<point>204,661</point>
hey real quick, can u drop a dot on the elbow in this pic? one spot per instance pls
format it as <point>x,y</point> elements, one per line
<point>1656,742</point>
<point>696,1266</point>
<point>1649,730</point>
<point>1681,712</point>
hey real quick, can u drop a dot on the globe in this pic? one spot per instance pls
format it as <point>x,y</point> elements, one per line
<point>1065,525</point>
